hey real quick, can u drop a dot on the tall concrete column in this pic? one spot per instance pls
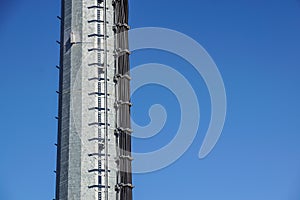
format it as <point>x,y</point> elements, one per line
<point>88,155</point>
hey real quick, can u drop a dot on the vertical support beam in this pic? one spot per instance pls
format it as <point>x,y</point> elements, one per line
<point>94,163</point>
<point>106,98</point>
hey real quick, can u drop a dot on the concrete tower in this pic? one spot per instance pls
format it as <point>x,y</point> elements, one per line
<point>94,132</point>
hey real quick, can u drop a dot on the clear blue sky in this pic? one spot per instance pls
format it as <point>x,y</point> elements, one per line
<point>256,45</point>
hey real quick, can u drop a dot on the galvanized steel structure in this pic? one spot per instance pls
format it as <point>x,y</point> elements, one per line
<point>94,131</point>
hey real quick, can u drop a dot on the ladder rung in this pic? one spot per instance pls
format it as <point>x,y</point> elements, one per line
<point>97,139</point>
<point>97,35</point>
<point>98,170</point>
<point>98,186</point>
<point>96,49</point>
<point>98,108</point>
<point>98,154</point>
<point>98,93</point>
<point>99,124</point>
<point>96,64</point>
<point>101,7</point>
<point>96,21</point>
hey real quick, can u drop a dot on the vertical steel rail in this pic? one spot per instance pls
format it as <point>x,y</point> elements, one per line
<point>106,95</point>
<point>99,104</point>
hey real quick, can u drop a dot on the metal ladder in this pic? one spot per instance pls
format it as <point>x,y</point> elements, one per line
<point>102,93</point>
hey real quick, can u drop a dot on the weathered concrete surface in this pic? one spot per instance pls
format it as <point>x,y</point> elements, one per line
<point>80,88</point>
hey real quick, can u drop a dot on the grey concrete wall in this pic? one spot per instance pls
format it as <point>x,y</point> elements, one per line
<point>79,121</point>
